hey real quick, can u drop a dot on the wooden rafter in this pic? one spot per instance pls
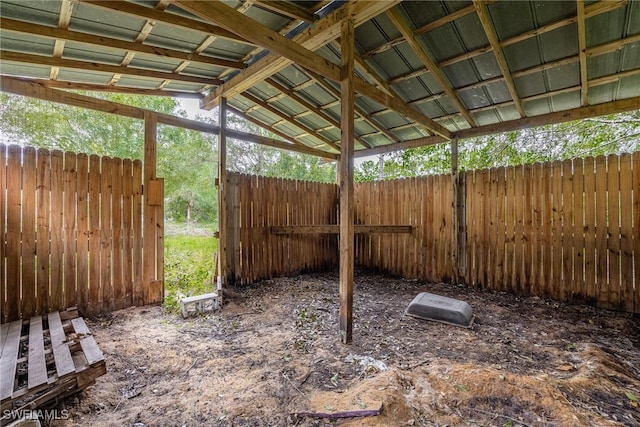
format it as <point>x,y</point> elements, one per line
<point>67,35</point>
<point>582,43</point>
<point>322,32</point>
<point>297,146</point>
<point>290,10</point>
<point>230,19</point>
<point>312,108</point>
<point>64,19</point>
<point>365,69</point>
<point>287,119</point>
<point>59,84</point>
<point>104,68</point>
<point>37,90</point>
<point>165,17</point>
<point>400,22</point>
<point>490,32</point>
<point>359,111</point>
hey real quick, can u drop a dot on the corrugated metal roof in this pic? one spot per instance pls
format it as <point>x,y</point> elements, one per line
<point>543,62</point>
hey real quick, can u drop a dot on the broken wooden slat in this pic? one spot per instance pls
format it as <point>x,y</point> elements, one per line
<point>61,353</point>
<point>89,346</point>
<point>9,357</point>
<point>335,229</point>
<point>37,366</point>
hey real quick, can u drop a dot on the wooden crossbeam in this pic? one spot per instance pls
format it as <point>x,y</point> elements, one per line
<point>335,229</point>
<point>165,17</point>
<point>319,34</point>
<point>286,118</point>
<point>68,35</point>
<point>490,32</point>
<point>104,68</point>
<point>291,10</point>
<point>400,22</point>
<point>582,51</point>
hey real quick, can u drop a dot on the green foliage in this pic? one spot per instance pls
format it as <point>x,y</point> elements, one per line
<point>188,267</point>
<point>592,137</point>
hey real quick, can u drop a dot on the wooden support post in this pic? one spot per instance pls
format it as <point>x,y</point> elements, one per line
<point>459,219</point>
<point>153,249</point>
<point>222,202</point>
<point>346,182</point>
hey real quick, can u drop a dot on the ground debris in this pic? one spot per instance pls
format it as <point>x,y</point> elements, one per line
<point>274,350</point>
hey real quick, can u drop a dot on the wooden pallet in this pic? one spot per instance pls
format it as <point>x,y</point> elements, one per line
<point>46,358</point>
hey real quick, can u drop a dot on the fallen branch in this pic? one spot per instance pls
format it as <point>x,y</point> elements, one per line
<point>496,415</point>
<point>192,365</point>
<point>336,415</point>
<point>294,386</point>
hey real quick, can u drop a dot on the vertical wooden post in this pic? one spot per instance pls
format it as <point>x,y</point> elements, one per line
<point>346,182</point>
<point>223,256</point>
<point>153,221</point>
<point>459,219</point>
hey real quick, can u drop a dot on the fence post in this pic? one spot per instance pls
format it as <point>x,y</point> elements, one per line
<point>459,220</point>
<point>153,229</point>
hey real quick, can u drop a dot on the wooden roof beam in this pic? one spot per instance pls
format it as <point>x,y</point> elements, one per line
<point>320,33</point>
<point>615,107</point>
<point>59,84</point>
<point>290,10</point>
<point>233,21</point>
<point>104,68</point>
<point>582,52</point>
<point>165,17</point>
<point>68,35</point>
<point>64,19</point>
<point>290,93</point>
<point>359,111</point>
<point>284,117</point>
<point>490,32</point>
<point>295,143</point>
<point>400,22</point>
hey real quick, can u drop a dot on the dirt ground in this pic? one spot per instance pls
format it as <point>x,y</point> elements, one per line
<point>273,352</point>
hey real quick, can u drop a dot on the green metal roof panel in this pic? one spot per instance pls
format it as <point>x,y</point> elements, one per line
<point>316,95</point>
<point>44,12</point>
<point>171,37</point>
<point>203,70</point>
<point>16,42</point>
<point>183,86</point>
<point>566,101</point>
<point>606,27</point>
<point>559,43</point>
<point>563,77</point>
<point>498,91</point>
<point>95,20</point>
<point>523,55</point>
<point>511,18</point>
<point>20,70</point>
<point>547,12</point>
<point>228,49</point>
<point>293,76</point>
<point>629,86</point>
<point>461,73</point>
<point>531,84</point>
<point>152,63</point>
<point>268,18</point>
<point>84,52</point>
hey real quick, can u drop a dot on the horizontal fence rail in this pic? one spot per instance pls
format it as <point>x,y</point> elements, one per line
<point>70,232</point>
<point>259,203</point>
<point>566,230</point>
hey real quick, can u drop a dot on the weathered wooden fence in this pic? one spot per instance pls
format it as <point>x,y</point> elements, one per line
<point>425,204</point>
<point>566,230</point>
<point>257,203</point>
<point>70,233</point>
